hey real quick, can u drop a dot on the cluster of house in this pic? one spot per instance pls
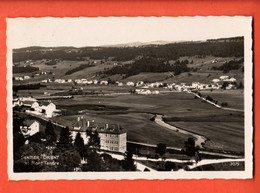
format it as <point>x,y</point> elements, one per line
<point>227,79</point>
<point>45,109</point>
<point>78,81</point>
<point>21,78</point>
<point>112,137</point>
<point>26,77</point>
<point>224,79</point>
<point>215,84</point>
<point>146,91</point>
<point>172,86</point>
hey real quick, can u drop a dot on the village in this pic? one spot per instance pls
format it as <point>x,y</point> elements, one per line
<point>140,87</point>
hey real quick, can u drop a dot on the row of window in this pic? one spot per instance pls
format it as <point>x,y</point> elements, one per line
<point>112,148</point>
<point>110,135</point>
<point>109,148</point>
<point>111,141</point>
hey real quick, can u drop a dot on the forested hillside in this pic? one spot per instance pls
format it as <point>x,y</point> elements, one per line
<point>168,51</point>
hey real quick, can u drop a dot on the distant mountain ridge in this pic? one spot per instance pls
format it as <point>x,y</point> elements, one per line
<point>130,44</point>
<point>137,44</point>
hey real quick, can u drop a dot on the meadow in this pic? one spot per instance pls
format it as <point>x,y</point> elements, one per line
<point>234,98</point>
<point>224,129</point>
<point>222,136</point>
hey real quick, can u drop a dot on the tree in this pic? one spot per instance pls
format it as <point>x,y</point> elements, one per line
<point>30,153</point>
<point>111,164</point>
<point>169,166</point>
<point>224,85</point>
<point>68,160</point>
<point>79,144</point>
<point>240,86</point>
<point>224,104</point>
<point>209,98</point>
<point>190,148</point>
<point>51,136</point>
<point>128,162</point>
<point>94,139</point>
<point>95,163</point>
<point>161,149</point>
<point>65,138</point>
<point>37,138</point>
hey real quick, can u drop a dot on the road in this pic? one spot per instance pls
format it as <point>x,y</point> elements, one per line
<point>141,166</point>
<point>216,105</point>
<point>199,140</point>
<point>200,151</point>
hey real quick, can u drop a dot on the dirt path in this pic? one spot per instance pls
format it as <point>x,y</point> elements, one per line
<point>199,140</point>
<point>216,105</point>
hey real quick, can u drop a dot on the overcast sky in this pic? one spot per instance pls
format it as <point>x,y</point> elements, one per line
<point>79,32</point>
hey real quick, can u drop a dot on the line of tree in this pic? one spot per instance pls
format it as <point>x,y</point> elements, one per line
<point>79,68</point>
<point>28,86</point>
<point>231,65</point>
<point>26,69</point>
<point>51,62</point>
<point>149,64</point>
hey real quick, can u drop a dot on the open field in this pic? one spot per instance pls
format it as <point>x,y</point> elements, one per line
<point>112,104</point>
<point>225,136</point>
<point>234,98</point>
<point>169,104</point>
<point>134,111</point>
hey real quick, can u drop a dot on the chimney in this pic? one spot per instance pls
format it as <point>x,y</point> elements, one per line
<point>78,118</point>
<point>88,124</point>
<point>107,126</point>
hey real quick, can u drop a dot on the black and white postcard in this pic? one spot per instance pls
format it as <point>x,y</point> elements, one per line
<point>130,98</point>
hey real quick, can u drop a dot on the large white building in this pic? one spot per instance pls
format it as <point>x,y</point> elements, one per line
<point>112,137</point>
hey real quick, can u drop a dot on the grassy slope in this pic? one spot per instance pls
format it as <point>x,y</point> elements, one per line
<point>204,74</point>
<point>234,98</point>
<point>180,105</point>
<point>228,136</point>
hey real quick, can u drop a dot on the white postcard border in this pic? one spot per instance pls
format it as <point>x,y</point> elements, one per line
<point>248,108</point>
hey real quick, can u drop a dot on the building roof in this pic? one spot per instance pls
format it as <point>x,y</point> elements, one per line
<point>82,124</point>
<point>93,126</point>
<point>28,122</point>
<point>28,103</point>
<point>111,129</point>
<point>45,103</point>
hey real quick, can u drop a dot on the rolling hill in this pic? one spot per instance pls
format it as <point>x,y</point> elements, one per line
<point>152,61</point>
